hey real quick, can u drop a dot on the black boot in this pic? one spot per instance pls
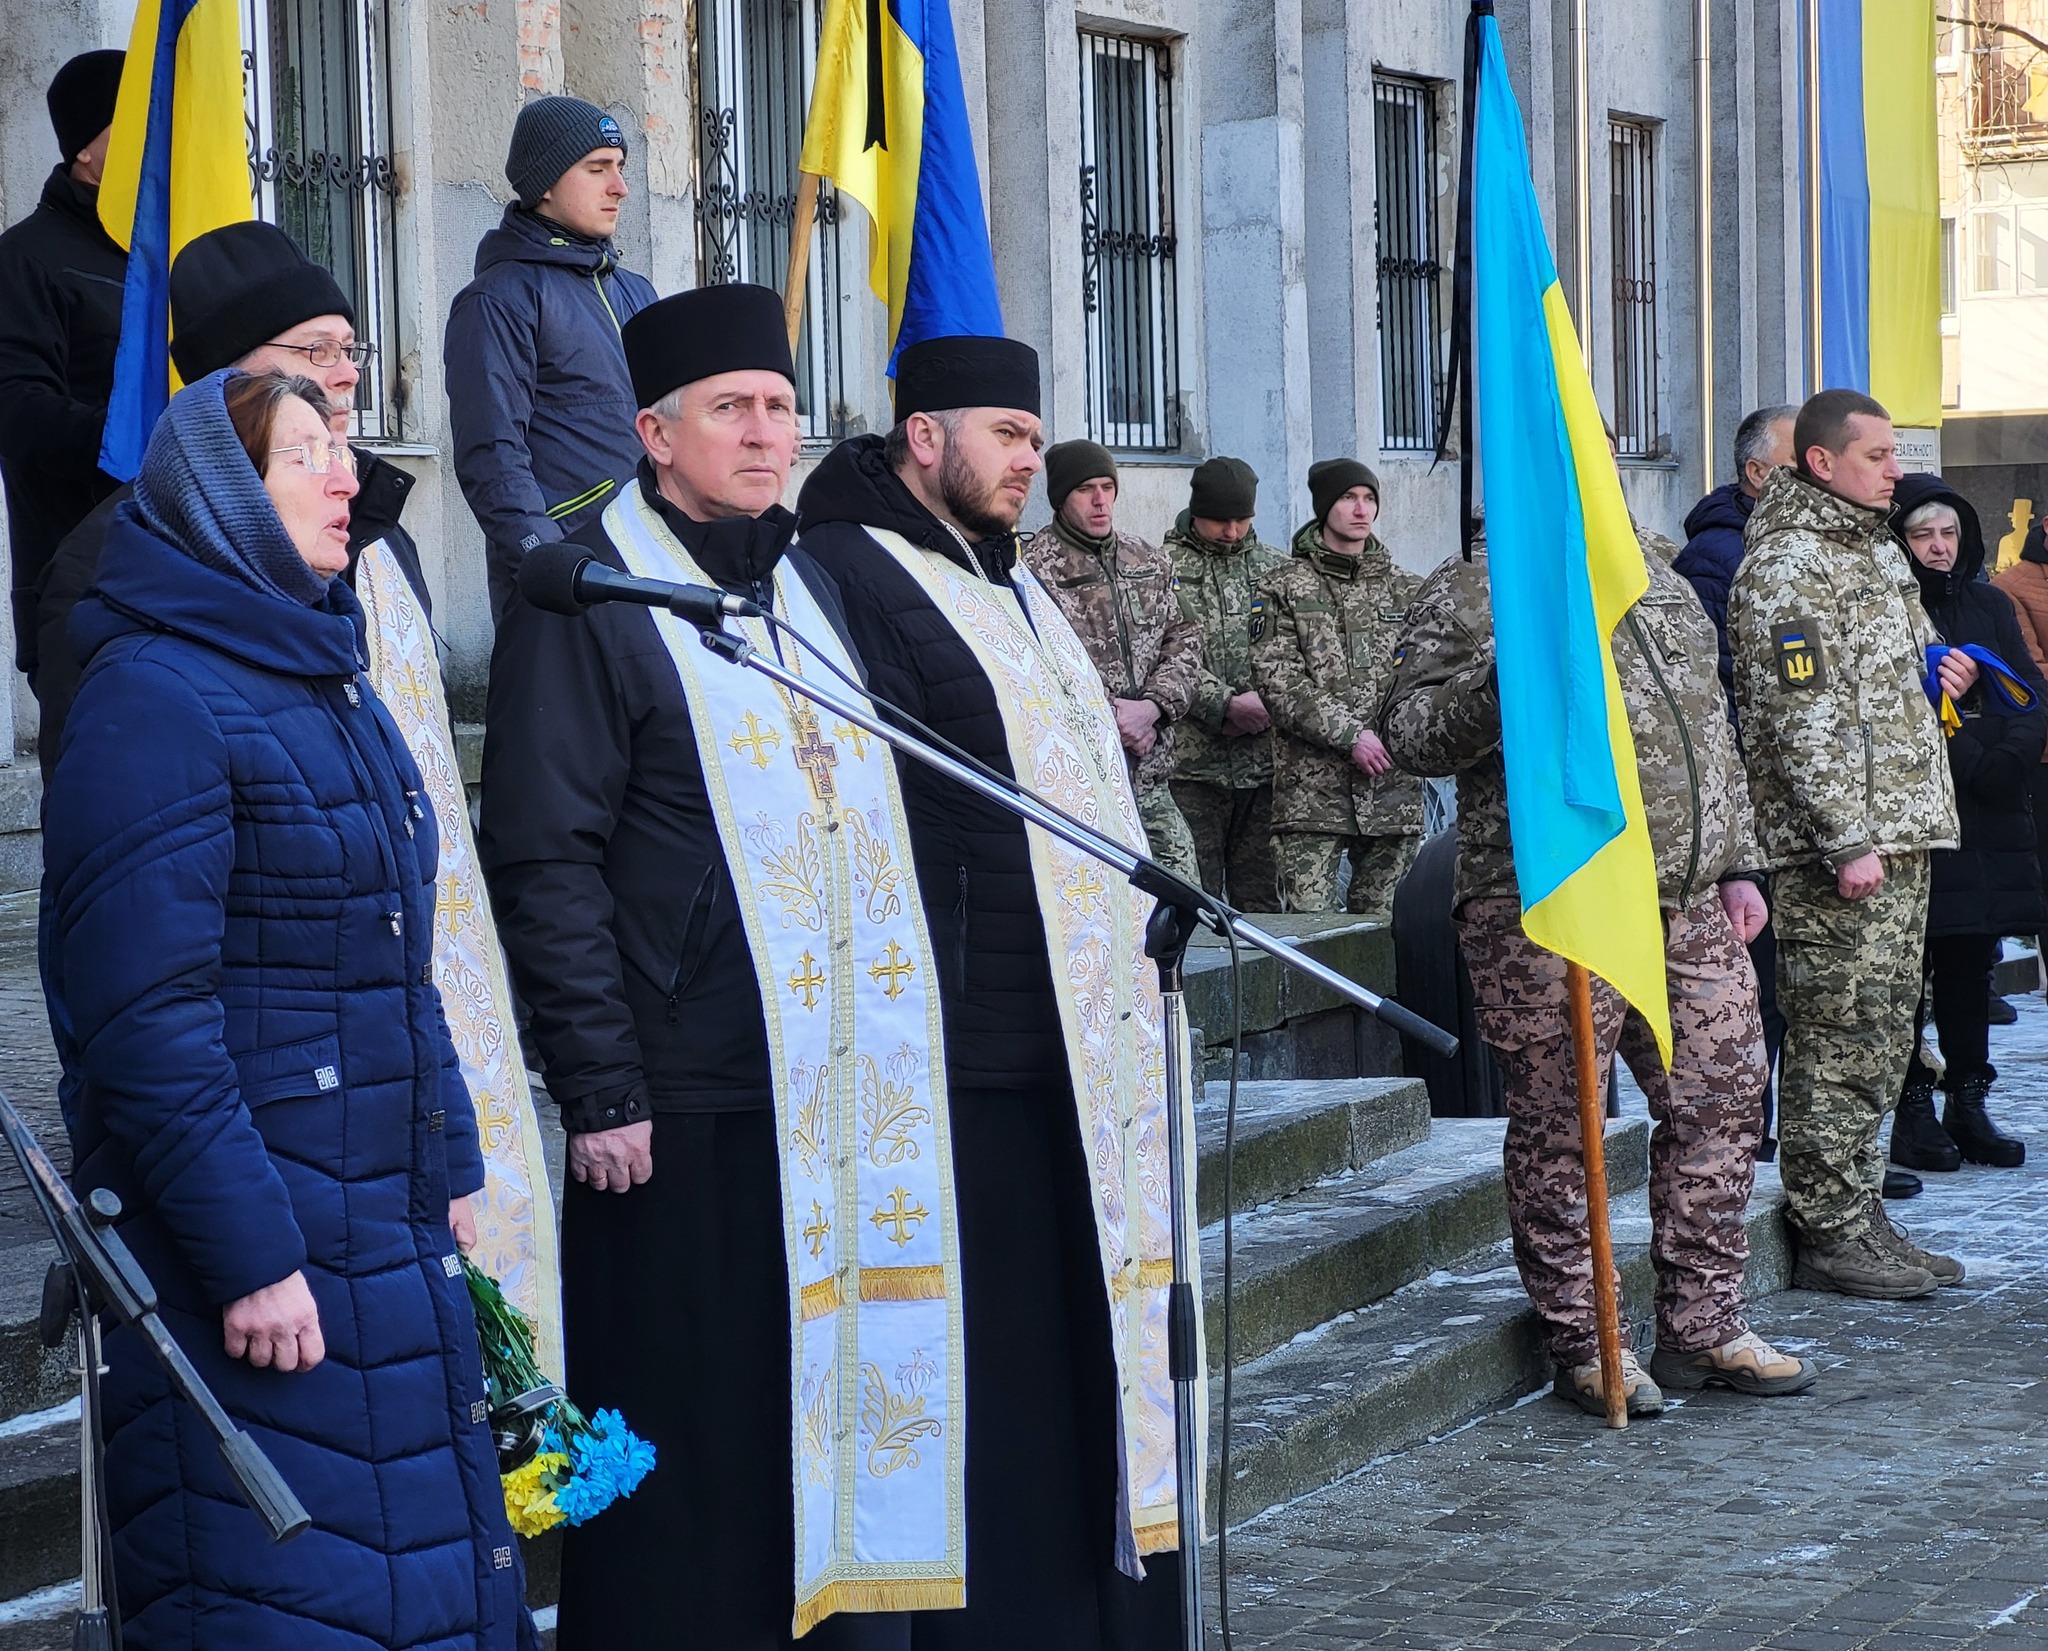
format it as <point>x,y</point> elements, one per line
<point>1970,1126</point>
<point>1998,1012</point>
<point>1901,1183</point>
<point>1918,1140</point>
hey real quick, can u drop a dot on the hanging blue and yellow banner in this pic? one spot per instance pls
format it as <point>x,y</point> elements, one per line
<point>177,166</point>
<point>1880,205</point>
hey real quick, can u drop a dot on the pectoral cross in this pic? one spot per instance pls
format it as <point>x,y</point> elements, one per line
<point>819,1229</point>
<point>891,969</point>
<point>813,755</point>
<point>855,737</point>
<point>806,980</point>
<point>903,1213</point>
<point>755,741</point>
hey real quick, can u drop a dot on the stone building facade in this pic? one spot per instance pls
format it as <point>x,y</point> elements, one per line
<point>1226,225</point>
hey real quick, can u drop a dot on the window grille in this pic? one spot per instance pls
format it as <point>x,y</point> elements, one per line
<point>1129,286</point>
<point>316,80</point>
<point>1631,149</point>
<point>1410,276</point>
<point>755,64</point>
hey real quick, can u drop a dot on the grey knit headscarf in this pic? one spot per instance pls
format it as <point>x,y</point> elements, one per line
<point>199,490</point>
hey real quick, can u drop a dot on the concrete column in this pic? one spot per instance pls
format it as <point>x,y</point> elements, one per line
<point>1341,255</point>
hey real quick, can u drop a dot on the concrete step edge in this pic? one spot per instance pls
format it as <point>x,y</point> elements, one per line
<point>1292,1133</point>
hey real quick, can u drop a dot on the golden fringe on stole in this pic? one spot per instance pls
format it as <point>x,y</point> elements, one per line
<point>878,1596</point>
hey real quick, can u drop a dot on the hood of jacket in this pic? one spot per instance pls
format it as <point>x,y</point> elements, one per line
<point>1375,561</point>
<point>1937,587</point>
<point>1183,532</point>
<point>740,552</point>
<point>853,483</point>
<point>1726,507</point>
<point>1791,503</point>
<point>381,491</point>
<point>524,237</point>
<point>80,202</point>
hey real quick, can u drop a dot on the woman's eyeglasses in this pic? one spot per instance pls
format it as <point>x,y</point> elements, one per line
<point>326,352</point>
<point>321,457</point>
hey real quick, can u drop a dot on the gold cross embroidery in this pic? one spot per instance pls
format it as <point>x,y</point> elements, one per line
<point>856,737</point>
<point>806,980</point>
<point>455,905</point>
<point>819,1229</point>
<point>761,740</point>
<point>1084,886</point>
<point>813,755</point>
<point>891,969</point>
<point>902,1212</point>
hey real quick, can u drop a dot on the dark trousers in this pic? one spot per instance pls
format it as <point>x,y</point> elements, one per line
<point>1763,957</point>
<point>1958,992</point>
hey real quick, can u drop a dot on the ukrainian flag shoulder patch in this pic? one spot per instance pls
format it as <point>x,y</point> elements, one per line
<point>1796,648</point>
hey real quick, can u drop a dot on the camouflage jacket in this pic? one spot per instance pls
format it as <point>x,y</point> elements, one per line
<point>1442,716</point>
<point>1321,666</point>
<point>1219,591</point>
<point>1119,598</point>
<point>1826,631</point>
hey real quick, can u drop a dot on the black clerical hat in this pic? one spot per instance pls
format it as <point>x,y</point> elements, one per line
<point>734,328</point>
<point>940,374</point>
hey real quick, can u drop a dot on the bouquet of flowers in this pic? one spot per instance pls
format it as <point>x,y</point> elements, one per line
<point>559,1466</point>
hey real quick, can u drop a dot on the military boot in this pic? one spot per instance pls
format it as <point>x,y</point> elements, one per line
<point>1969,1125</point>
<point>1945,1268</point>
<point>1859,1264</point>
<point>1918,1140</point>
<point>1747,1364</point>
<point>1581,1385</point>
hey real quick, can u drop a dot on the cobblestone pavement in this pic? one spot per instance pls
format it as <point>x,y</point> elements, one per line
<point>28,1065</point>
<point>1903,1505</point>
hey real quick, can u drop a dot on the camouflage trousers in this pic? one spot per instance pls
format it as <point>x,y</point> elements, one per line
<point>1310,865</point>
<point>1849,986</point>
<point>1233,832</point>
<point>1708,1108</point>
<point>1166,829</point>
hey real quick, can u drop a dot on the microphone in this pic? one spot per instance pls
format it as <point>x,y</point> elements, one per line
<point>564,578</point>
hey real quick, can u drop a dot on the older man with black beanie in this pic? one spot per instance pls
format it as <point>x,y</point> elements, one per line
<point>1118,593</point>
<point>540,404</point>
<point>61,278</point>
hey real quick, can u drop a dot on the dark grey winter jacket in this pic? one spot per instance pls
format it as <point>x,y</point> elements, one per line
<point>539,400</point>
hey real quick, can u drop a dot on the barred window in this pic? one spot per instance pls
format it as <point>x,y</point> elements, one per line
<point>1410,275</point>
<point>1129,285</point>
<point>755,64</point>
<point>1631,150</point>
<point>316,80</point>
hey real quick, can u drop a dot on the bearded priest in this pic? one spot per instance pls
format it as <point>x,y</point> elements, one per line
<point>706,894</point>
<point>1054,1052</point>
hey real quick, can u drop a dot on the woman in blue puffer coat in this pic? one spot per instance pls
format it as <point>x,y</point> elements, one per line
<point>238,902</point>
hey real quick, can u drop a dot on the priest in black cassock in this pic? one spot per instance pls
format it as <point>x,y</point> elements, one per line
<point>1053,1051</point>
<point>705,897</point>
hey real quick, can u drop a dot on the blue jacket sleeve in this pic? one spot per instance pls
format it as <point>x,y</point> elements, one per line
<point>1708,564</point>
<point>141,837</point>
<point>491,365</point>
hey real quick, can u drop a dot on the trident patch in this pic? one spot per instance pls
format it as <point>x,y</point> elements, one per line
<point>1796,647</point>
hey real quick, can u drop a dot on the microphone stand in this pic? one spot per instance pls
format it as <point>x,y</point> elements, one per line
<point>98,1273</point>
<point>1181,906</point>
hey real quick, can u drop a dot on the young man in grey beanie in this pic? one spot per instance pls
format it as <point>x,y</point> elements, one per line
<point>539,400</point>
<point>1117,592</point>
<point>1334,611</point>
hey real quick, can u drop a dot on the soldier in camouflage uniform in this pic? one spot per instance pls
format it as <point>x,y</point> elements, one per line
<point>1442,716</point>
<point>1852,790</point>
<point>1223,759</point>
<point>1333,613</point>
<point>1117,592</point>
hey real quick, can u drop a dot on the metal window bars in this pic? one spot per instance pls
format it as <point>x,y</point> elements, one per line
<point>1130,292</point>
<point>1410,273</point>
<point>754,68</point>
<point>1631,149</point>
<point>316,81</point>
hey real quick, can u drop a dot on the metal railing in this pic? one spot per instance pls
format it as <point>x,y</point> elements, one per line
<point>1130,289</point>
<point>755,65</point>
<point>1409,269</point>
<point>1631,150</point>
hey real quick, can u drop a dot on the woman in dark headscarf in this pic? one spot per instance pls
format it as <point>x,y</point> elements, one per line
<point>239,894</point>
<point>1990,885</point>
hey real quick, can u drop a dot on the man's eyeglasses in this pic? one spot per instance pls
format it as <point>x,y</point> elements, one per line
<point>321,457</point>
<point>326,352</point>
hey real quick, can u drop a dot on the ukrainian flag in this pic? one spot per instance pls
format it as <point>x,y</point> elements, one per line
<point>1565,565</point>
<point>888,125</point>
<point>1880,205</point>
<point>177,166</point>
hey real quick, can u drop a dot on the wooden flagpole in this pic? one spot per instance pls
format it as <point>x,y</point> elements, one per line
<point>797,282</point>
<point>1593,1136</point>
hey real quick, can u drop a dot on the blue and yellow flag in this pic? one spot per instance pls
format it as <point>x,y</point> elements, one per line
<point>177,166</point>
<point>888,125</point>
<point>1564,565</point>
<point>1880,205</point>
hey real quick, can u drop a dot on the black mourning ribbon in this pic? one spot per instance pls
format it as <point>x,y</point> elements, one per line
<point>878,98</point>
<point>1458,376</point>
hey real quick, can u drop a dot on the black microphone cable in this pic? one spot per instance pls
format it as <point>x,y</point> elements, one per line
<point>1222,914</point>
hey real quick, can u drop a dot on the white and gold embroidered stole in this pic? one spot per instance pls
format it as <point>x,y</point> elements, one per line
<point>816,841</point>
<point>515,1226</point>
<point>1063,744</point>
